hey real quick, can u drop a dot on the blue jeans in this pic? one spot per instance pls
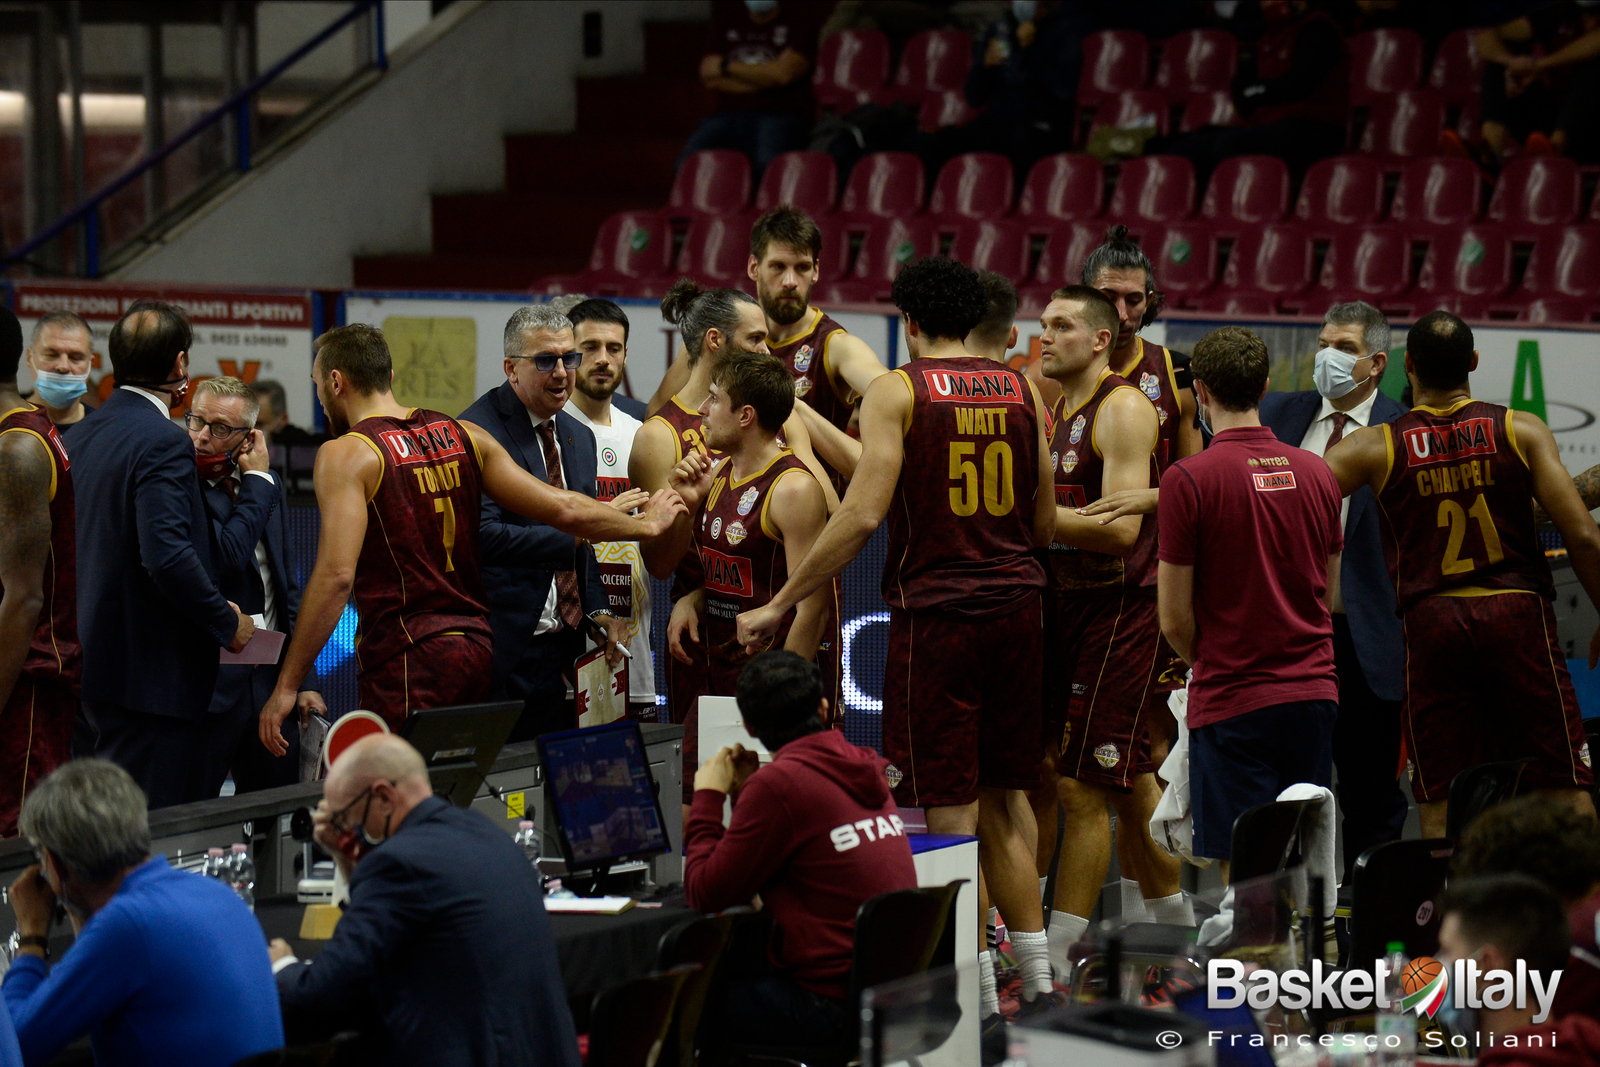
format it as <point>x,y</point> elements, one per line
<point>761,135</point>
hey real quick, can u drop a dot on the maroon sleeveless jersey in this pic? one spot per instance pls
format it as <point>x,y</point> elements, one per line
<point>1457,504</point>
<point>741,552</point>
<point>807,358</point>
<point>1151,373</point>
<point>54,652</point>
<point>1080,473</point>
<point>961,521</point>
<point>419,572</point>
<point>684,422</point>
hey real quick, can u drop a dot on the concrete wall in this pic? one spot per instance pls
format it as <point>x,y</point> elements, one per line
<point>360,183</point>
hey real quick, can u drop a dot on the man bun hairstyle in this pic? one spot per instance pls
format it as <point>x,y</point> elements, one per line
<point>360,353</point>
<point>1119,251</point>
<point>946,299</point>
<point>786,225</point>
<point>779,694</point>
<point>696,310</point>
<point>761,380</point>
<point>1098,312</point>
<point>1440,346</point>
<point>1232,362</point>
<point>146,341</point>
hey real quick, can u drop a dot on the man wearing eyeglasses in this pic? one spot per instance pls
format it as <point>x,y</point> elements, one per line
<point>250,528</point>
<point>541,582</point>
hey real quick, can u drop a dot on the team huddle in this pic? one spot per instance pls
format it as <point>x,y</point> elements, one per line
<point>1058,559</point>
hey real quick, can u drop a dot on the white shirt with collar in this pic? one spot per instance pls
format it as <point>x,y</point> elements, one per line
<point>159,400</point>
<point>550,617</point>
<point>1316,440</point>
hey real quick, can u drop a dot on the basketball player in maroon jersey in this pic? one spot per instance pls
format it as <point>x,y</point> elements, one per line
<point>399,491</point>
<point>1456,479</point>
<point>40,659</point>
<point>954,455</point>
<point>1104,644</point>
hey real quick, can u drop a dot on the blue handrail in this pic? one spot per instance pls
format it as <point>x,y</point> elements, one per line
<point>238,105</point>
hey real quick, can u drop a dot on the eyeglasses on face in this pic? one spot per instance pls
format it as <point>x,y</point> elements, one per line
<point>219,430</point>
<point>545,362</point>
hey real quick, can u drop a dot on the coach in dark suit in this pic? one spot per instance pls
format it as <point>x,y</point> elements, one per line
<point>250,526</point>
<point>444,955</point>
<point>151,617</point>
<point>541,582</point>
<point>1368,647</point>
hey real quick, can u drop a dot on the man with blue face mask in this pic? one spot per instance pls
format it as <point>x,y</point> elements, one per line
<point>60,352</point>
<point>1368,645</point>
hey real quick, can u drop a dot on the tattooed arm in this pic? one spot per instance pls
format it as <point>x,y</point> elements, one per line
<point>1588,486</point>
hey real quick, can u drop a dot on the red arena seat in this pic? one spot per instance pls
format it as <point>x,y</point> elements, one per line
<point>1437,192</point>
<point>1464,268</point>
<point>1457,72</point>
<point>1114,61</point>
<point>1210,109</point>
<point>1371,263</point>
<point>1063,187</point>
<point>1000,245</point>
<point>850,65</point>
<point>1404,124</point>
<point>715,251</point>
<point>1155,188</point>
<point>1061,260</point>
<point>949,108</point>
<point>806,180</point>
<point>1184,255</point>
<point>1197,63</point>
<point>1135,109</point>
<point>884,185</point>
<point>1246,191</point>
<point>712,182</point>
<point>934,61</point>
<point>1383,62</point>
<point>1565,263</point>
<point>888,245</point>
<point>1269,269</point>
<point>976,185</point>
<point>1342,191</point>
<point>1535,193</point>
<point>632,249</point>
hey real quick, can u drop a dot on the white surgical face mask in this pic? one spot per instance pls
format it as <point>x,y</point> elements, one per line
<point>1333,371</point>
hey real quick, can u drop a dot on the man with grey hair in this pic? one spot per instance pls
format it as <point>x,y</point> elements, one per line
<point>445,937</point>
<point>60,353</point>
<point>542,583</point>
<point>167,967</point>
<point>249,516</point>
<point>1368,646</point>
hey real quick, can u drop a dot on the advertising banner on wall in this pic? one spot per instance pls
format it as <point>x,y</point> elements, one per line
<point>253,335</point>
<point>448,350</point>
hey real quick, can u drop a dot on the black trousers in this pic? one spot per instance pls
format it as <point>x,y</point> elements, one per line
<point>539,680</point>
<point>163,753</point>
<point>232,742</point>
<point>761,1005</point>
<point>1366,754</point>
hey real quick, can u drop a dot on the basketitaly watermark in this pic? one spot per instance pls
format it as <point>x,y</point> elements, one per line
<point>1426,984</point>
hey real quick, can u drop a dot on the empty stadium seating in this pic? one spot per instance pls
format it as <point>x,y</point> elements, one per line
<point>851,65</point>
<point>1184,255</point>
<point>1465,268</point>
<point>631,254</point>
<point>976,185</point>
<point>1061,261</point>
<point>715,250</point>
<point>934,61</point>
<point>1208,109</point>
<point>1063,188</point>
<point>1534,194</point>
<point>884,185</point>
<point>1383,62</point>
<point>888,245</point>
<point>1133,109</point>
<point>1437,192</point>
<point>1268,270</point>
<point>1000,245</point>
<point>1457,73</point>
<point>1197,63</point>
<point>1371,263</point>
<point>1404,124</point>
<point>1245,191</point>
<point>1154,189</point>
<point>1114,61</point>
<point>1342,191</point>
<point>806,180</point>
<point>712,182</point>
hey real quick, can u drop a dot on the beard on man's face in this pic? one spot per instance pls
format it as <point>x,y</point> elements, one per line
<point>784,307</point>
<point>598,387</point>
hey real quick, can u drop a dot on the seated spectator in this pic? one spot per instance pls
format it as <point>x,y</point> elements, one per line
<point>168,967</point>
<point>1498,922</point>
<point>1544,837</point>
<point>815,833</point>
<point>273,420</point>
<point>444,953</point>
<point>1294,97</point>
<point>758,61</point>
<point>1541,83</point>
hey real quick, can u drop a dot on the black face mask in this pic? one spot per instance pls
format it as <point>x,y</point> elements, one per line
<point>175,397</point>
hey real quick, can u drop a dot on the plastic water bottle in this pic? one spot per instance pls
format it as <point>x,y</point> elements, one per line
<point>527,839</point>
<point>1396,1028</point>
<point>214,864</point>
<point>242,875</point>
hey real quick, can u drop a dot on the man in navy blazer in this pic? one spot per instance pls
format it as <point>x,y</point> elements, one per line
<point>1368,646</point>
<point>444,954</point>
<point>541,582</point>
<point>250,524</point>
<point>151,617</point>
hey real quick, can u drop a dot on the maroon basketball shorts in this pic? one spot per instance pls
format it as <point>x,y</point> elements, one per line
<point>1101,685</point>
<point>437,672</point>
<point>962,703</point>
<point>1486,682</point>
<point>35,739</point>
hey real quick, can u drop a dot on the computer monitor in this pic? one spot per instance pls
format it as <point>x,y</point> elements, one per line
<point>604,799</point>
<point>460,744</point>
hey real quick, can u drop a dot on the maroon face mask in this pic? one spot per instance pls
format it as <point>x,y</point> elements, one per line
<point>213,465</point>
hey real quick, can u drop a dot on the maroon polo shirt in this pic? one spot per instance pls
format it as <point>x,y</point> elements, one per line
<point>1257,520</point>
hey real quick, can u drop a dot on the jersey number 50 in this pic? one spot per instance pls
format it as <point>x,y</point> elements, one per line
<point>998,496</point>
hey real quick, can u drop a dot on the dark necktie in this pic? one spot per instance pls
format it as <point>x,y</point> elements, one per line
<point>567,605</point>
<point>1339,420</point>
<point>230,486</point>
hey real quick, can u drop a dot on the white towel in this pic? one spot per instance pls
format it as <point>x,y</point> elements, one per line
<point>1318,841</point>
<point>1172,823</point>
<point>1217,929</point>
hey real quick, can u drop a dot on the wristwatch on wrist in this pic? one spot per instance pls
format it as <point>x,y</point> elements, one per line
<point>37,941</point>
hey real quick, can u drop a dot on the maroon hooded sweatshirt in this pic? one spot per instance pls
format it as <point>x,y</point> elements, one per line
<point>816,833</point>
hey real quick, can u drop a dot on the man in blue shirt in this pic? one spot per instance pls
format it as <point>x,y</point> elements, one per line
<point>168,967</point>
